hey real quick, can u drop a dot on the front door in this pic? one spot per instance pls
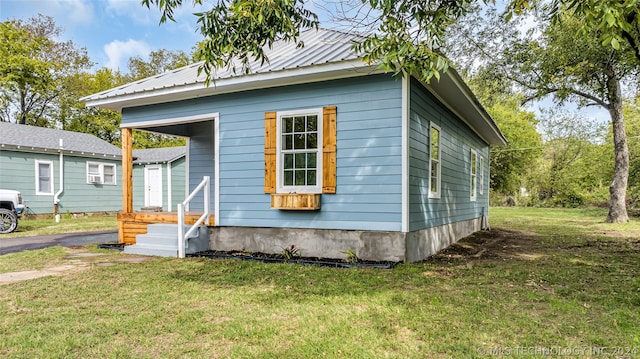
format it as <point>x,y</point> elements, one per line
<point>153,186</point>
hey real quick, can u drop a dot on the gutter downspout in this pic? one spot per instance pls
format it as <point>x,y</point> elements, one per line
<point>56,197</point>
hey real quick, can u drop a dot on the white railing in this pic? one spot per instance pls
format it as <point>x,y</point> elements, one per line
<point>203,219</point>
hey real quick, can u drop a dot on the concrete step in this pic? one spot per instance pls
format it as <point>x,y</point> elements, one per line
<point>152,250</point>
<point>165,228</point>
<point>162,240</point>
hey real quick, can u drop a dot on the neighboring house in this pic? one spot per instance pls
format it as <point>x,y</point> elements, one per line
<point>159,177</point>
<point>87,181</point>
<point>321,150</point>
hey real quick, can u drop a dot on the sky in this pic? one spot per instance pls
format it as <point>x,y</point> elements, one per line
<point>112,31</point>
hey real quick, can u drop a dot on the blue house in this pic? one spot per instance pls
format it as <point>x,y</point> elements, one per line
<point>75,172</point>
<point>321,150</point>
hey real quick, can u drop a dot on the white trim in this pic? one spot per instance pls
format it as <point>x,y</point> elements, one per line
<point>37,177</point>
<point>169,189</point>
<point>438,193</point>
<point>406,108</point>
<point>481,168</point>
<point>473,177</point>
<point>147,198</point>
<point>101,166</point>
<point>216,172</point>
<point>187,158</point>
<point>280,188</point>
<point>172,121</point>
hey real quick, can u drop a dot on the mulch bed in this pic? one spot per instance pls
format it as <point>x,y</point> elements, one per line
<point>276,258</point>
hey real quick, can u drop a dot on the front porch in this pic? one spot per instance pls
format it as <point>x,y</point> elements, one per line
<point>135,223</point>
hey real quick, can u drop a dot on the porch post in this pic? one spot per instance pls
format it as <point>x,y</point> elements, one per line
<point>127,171</point>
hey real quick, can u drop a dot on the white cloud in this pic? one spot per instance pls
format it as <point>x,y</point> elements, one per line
<point>131,9</point>
<point>77,11</point>
<point>119,52</point>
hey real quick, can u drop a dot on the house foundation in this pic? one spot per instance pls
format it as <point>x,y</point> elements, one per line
<point>331,243</point>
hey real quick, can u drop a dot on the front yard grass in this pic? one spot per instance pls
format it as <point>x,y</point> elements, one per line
<point>541,283</point>
<point>35,227</point>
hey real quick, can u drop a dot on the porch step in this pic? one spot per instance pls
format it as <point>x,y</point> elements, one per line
<point>162,240</point>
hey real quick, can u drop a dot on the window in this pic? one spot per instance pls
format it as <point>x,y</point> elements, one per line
<point>101,173</point>
<point>434,161</point>
<point>474,174</point>
<point>481,169</point>
<point>299,156</point>
<point>44,177</point>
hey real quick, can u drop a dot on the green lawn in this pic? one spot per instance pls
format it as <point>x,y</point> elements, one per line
<point>67,224</point>
<point>557,282</point>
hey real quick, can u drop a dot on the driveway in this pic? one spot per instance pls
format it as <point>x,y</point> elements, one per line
<point>11,245</point>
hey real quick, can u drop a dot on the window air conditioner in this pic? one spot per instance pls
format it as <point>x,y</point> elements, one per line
<point>95,179</point>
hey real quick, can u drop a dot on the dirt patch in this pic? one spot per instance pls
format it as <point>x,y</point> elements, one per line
<point>76,261</point>
<point>494,244</point>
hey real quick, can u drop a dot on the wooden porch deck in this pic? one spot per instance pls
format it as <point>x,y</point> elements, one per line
<point>132,224</point>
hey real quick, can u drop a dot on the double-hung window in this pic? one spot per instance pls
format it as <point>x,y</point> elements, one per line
<point>44,177</point>
<point>474,174</point>
<point>434,161</point>
<point>299,151</point>
<point>101,173</point>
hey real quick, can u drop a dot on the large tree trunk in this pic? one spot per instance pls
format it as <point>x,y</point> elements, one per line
<point>618,188</point>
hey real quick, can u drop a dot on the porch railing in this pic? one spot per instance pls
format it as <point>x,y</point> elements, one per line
<point>203,219</point>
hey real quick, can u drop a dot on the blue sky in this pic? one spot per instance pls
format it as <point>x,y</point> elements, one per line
<point>112,31</point>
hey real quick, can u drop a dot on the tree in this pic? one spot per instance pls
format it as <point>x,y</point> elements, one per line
<point>510,165</point>
<point>403,35</point>
<point>159,61</point>
<point>574,66</point>
<point>577,161</point>
<point>75,116</point>
<point>34,67</point>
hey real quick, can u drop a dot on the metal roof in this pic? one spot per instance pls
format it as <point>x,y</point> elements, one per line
<point>41,139</point>
<point>327,54</point>
<point>159,155</point>
<point>320,47</point>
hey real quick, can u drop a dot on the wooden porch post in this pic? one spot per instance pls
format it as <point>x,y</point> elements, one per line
<point>127,169</point>
<point>127,181</point>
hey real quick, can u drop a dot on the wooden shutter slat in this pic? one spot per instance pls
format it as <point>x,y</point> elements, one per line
<point>329,150</point>
<point>270,152</point>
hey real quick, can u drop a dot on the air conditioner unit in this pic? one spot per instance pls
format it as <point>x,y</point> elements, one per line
<point>95,179</point>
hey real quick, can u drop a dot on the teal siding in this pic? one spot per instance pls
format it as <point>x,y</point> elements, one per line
<point>138,186</point>
<point>178,176</point>
<point>17,171</point>
<point>369,158</point>
<point>457,140</point>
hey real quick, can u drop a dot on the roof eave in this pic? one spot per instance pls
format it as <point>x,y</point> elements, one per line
<point>76,153</point>
<point>451,90</point>
<point>314,73</point>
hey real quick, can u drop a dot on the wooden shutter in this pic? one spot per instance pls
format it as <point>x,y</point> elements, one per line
<point>329,150</point>
<point>270,152</point>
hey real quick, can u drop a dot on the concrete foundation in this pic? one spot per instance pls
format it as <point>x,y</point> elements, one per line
<point>331,243</point>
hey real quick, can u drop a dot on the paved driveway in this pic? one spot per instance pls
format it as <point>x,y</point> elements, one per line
<point>11,245</point>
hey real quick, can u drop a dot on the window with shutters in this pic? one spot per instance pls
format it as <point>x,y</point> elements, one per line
<point>300,157</point>
<point>44,177</point>
<point>299,153</point>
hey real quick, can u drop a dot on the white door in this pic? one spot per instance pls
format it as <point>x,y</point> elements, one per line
<point>153,186</point>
